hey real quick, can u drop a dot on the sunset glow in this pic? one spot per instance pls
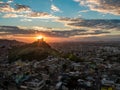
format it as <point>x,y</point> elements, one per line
<point>60,20</point>
<point>40,37</point>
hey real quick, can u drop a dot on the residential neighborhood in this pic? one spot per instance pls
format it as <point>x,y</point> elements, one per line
<point>98,69</point>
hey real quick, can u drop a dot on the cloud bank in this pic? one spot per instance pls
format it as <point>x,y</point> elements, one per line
<point>92,24</point>
<point>23,11</point>
<point>103,6</point>
<point>10,30</point>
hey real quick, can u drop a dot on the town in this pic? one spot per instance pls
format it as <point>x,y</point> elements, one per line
<point>80,66</point>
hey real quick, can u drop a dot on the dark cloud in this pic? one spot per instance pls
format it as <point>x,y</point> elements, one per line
<point>102,24</point>
<point>68,33</point>
<point>78,33</point>
<point>100,32</point>
<point>104,6</point>
<point>20,10</point>
<point>66,19</point>
<point>37,14</point>
<point>10,30</point>
<point>5,7</point>
<point>19,6</point>
<point>92,24</point>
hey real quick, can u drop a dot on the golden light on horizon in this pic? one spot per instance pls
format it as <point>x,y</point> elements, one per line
<point>39,37</point>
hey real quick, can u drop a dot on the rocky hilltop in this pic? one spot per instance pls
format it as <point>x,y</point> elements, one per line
<point>37,50</point>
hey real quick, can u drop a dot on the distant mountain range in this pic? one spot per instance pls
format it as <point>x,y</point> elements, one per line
<point>5,42</point>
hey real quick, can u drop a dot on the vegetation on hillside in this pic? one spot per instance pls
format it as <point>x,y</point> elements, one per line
<point>32,52</point>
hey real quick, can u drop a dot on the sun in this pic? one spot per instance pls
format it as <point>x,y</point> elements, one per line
<point>39,37</point>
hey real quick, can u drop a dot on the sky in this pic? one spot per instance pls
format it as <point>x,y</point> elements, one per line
<point>60,20</point>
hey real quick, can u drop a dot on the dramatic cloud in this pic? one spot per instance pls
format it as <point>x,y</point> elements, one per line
<point>104,6</point>
<point>18,10</point>
<point>69,33</point>
<point>42,15</point>
<point>27,16</point>
<point>100,32</point>
<point>97,24</point>
<point>5,7</point>
<point>20,7</point>
<point>9,30</point>
<point>10,12</point>
<point>91,24</point>
<point>14,30</point>
<point>38,14</point>
<point>69,20</point>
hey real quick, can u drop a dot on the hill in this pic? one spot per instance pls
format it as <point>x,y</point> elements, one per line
<point>34,51</point>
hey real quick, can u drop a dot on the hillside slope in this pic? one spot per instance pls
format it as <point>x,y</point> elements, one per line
<point>33,51</point>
